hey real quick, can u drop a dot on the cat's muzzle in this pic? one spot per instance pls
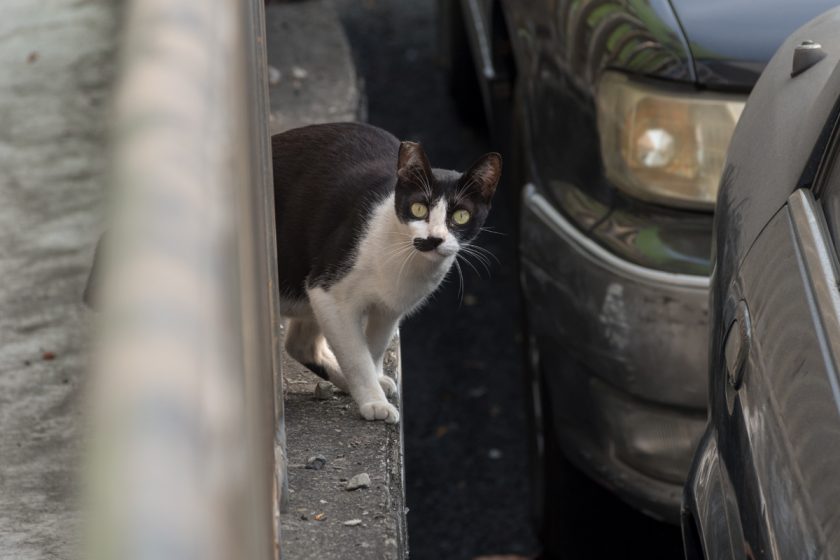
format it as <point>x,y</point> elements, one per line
<point>428,244</point>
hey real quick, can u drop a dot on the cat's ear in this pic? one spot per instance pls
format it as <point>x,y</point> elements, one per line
<point>413,165</point>
<point>485,174</point>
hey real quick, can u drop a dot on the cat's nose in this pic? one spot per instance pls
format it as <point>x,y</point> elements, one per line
<point>427,244</point>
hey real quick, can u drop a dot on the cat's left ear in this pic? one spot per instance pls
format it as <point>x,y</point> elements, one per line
<point>412,164</point>
<point>485,173</point>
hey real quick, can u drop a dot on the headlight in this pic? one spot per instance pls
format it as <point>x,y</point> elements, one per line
<point>663,145</point>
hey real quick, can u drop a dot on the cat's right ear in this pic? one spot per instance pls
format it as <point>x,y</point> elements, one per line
<point>413,165</point>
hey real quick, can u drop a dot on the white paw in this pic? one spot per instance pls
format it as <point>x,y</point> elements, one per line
<point>388,385</point>
<point>380,410</point>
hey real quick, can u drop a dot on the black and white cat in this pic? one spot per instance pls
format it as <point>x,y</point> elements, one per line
<point>366,231</point>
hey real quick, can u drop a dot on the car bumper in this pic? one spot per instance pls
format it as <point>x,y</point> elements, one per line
<point>623,351</point>
<point>710,521</point>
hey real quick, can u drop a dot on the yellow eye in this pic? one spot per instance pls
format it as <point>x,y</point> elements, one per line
<point>461,217</point>
<point>419,210</point>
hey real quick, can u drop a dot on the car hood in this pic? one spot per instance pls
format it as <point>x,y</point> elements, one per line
<point>732,40</point>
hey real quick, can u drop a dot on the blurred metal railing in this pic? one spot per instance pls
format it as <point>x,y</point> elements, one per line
<point>186,407</point>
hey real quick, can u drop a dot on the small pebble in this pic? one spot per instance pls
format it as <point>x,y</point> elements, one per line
<point>323,391</point>
<point>477,392</point>
<point>48,356</point>
<point>319,516</point>
<point>274,75</point>
<point>316,462</point>
<point>299,73</point>
<point>495,453</point>
<point>361,480</point>
<point>353,522</point>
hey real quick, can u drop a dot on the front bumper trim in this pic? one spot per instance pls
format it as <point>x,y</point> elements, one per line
<point>597,254</point>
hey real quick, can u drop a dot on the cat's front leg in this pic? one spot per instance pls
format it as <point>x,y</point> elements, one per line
<point>342,325</point>
<point>381,327</point>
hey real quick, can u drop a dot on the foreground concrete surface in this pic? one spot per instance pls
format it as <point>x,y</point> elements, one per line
<point>56,60</point>
<point>324,519</point>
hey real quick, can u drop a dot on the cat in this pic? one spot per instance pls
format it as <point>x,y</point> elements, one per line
<point>366,232</point>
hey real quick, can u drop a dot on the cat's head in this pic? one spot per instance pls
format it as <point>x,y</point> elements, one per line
<point>443,209</point>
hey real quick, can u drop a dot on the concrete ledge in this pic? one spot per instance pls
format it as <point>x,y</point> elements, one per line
<point>324,520</point>
<point>312,78</point>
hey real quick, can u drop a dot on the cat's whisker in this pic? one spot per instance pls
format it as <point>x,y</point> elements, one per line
<point>474,250</point>
<point>484,251</point>
<point>397,248</point>
<point>464,189</point>
<point>490,230</point>
<point>466,261</point>
<point>401,243</point>
<point>460,282</point>
<point>405,262</point>
<point>478,257</point>
<point>483,262</point>
<point>426,185</point>
<point>395,254</point>
<point>398,253</point>
<point>423,182</point>
<point>483,266</point>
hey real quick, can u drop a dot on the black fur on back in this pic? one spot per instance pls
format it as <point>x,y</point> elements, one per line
<point>327,180</point>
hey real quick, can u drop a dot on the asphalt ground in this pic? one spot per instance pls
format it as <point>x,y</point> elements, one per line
<point>466,432</point>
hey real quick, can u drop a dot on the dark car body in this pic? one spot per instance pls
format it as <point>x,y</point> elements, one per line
<point>616,282</point>
<point>764,481</point>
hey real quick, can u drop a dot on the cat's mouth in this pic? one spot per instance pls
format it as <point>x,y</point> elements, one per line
<point>432,247</point>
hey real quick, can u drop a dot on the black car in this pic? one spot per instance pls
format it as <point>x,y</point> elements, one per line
<point>620,114</point>
<point>764,481</point>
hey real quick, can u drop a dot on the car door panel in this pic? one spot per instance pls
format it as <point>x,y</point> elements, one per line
<point>780,442</point>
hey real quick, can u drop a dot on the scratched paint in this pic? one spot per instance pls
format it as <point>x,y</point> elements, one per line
<point>613,317</point>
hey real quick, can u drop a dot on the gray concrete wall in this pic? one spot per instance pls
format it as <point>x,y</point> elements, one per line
<point>56,63</point>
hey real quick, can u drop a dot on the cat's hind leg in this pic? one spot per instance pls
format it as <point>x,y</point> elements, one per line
<point>306,343</point>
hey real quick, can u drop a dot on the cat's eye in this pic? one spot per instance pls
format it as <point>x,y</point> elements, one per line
<point>419,210</point>
<point>461,217</point>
